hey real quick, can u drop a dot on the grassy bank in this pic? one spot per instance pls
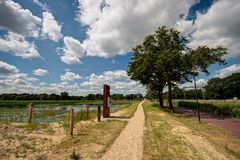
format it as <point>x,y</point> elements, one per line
<point>173,136</point>
<point>90,141</point>
<point>130,109</point>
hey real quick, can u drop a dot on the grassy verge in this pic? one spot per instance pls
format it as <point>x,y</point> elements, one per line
<point>32,126</point>
<point>218,136</point>
<point>129,110</point>
<point>162,140</point>
<point>159,142</point>
<point>91,142</point>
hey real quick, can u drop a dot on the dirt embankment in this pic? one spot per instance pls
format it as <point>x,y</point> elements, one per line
<point>19,142</point>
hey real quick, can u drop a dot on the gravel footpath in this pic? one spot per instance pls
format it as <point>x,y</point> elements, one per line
<point>129,144</point>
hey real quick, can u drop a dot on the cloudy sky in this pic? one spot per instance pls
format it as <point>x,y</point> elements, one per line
<point>49,46</point>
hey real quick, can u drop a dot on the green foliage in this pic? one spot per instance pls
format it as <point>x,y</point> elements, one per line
<point>224,88</point>
<point>226,110</point>
<point>163,57</point>
<point>187,93</point>
<point>82,115</point>
<point>63,97</point>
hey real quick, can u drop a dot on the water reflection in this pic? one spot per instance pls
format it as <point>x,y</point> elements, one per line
<point>47,113</point>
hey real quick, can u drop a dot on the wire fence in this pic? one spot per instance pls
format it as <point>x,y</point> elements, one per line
<point>50,113</point>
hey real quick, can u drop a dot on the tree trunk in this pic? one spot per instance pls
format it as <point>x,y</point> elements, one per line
<point>170,95</point>
<point>160,98</point>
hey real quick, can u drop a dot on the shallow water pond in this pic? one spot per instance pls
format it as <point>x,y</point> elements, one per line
<point>47,113</point>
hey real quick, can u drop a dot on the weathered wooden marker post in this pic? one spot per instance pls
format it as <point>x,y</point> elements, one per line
<point>71,112</point>
<point>99,113</point>
<point>30,107</point>
<point>106,94</point>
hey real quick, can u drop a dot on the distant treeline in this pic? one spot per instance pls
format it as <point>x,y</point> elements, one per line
<point>65,96</point>
<point>216,88</point>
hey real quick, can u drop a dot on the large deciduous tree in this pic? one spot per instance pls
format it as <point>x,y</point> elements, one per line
<point>164,58</point>
<point>144,68</point>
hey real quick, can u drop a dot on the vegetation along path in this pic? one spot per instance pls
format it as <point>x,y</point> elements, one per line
<point>129,144</point>
<point>177,136</point>
<point>230,124</point>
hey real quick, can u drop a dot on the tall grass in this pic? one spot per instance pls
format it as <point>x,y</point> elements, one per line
<point>216,107</point>
<point>22,104</point>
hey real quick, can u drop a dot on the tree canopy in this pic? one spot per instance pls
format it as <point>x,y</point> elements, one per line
<point>164,58</point>
<point>223,88</point>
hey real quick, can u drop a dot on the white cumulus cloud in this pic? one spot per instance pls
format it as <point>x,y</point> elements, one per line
<point>199,83</point>
<point>69,76</point>
<point>7,69</point>
<point>218,26</point>
<point>17,19</point>
<point>50,27</point>
<point>44,6</point>
<point>118,81</point>
<point>72,51</point>
<point>17,45</point>
<point>40,72</point>
<point>222,73</point>
<point>114,26</point>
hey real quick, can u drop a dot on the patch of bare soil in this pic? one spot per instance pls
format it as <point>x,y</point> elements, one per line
<point>23,143</point>
<point>203,147</point>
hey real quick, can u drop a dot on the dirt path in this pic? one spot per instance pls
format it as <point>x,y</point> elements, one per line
<point>129,144</point>
<point>229,124</point>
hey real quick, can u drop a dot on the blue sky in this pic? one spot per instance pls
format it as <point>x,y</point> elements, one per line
<point>77,46</point>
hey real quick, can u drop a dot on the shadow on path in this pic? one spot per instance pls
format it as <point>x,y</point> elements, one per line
<point>120,117</point>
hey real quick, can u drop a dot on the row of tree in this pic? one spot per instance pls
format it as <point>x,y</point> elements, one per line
<point>223,88</point>
<point>65,96</point>
<point>188,94</point>
<point>163,59</point>
<point>216,88</point>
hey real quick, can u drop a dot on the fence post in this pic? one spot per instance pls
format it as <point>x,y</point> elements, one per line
<point>71,112</point>
<point>99,113</point>
<point>87,112</point>
<point>30,107</point>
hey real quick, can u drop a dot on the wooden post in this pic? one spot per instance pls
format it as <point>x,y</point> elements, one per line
<point>106,93</point>
<point>99,113</point>
<point>30,112</point>
<point>196,96</point>
<point>87,112</point>
<point>71,112</point>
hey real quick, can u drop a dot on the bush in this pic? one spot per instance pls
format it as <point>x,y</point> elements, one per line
<point>225,110</point>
